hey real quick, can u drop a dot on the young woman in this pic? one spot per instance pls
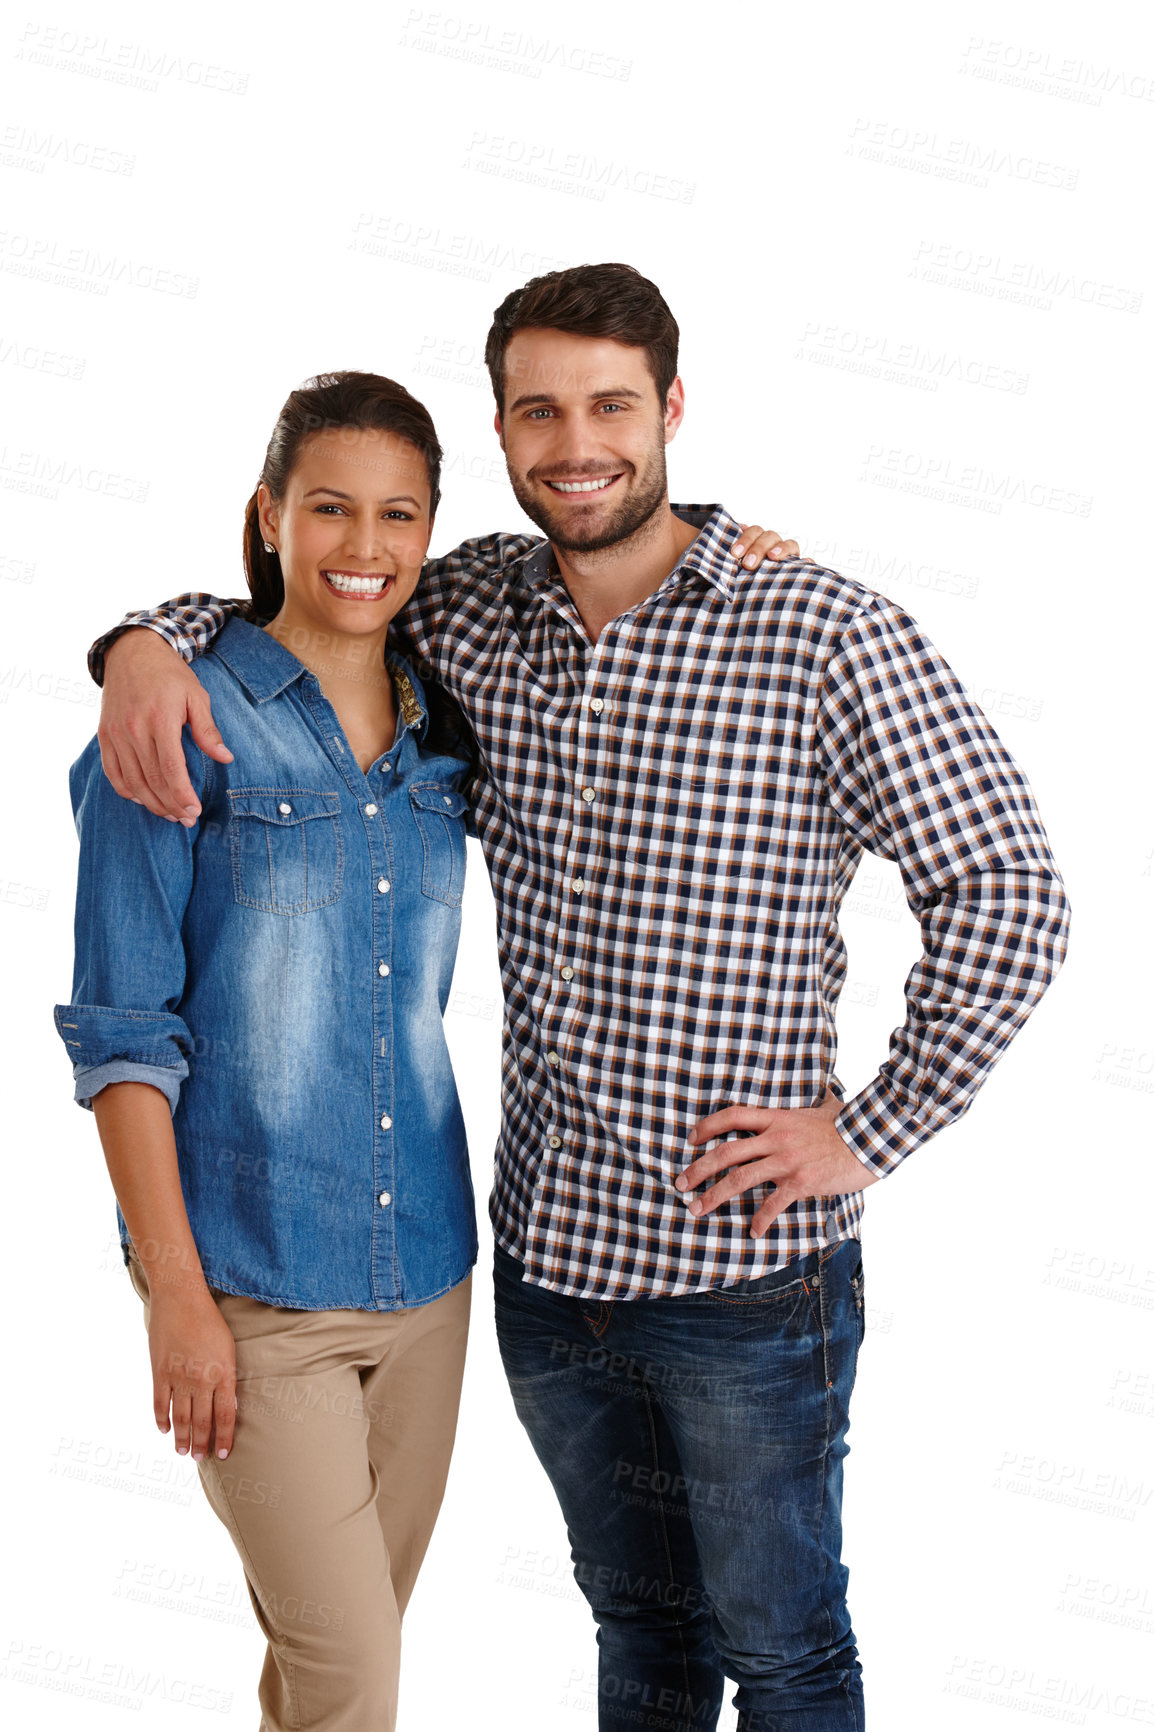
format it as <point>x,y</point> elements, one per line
<point>256,1023</point>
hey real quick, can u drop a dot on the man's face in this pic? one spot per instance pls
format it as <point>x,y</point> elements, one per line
<point>584,436</point>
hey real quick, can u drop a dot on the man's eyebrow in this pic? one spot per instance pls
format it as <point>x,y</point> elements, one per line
<point>397,498</point>
<point>548,396</point>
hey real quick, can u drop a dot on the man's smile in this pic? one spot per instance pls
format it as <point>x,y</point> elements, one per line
<point>593,484</point>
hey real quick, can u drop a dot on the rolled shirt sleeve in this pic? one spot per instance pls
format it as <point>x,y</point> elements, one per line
<point>917,775</point>
<point>134,878</point>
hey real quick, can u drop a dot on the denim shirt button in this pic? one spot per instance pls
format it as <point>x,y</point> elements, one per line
<point>370,810</point>
<point>382,968</point>
<point>384,1199</point>
<point>284,807</point>
<point>386,1122</point>
<point>382,885</point>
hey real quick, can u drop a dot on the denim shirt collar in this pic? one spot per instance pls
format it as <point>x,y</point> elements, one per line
<point>265,668</point>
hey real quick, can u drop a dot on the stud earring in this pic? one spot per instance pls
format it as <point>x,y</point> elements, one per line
<point>269,548</point>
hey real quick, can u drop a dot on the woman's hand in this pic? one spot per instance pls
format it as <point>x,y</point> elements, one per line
<point>757,544</point>
<point>193,1371</point>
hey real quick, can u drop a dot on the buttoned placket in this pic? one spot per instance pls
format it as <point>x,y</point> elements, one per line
<point>580,903</point>
<point>372,790</point>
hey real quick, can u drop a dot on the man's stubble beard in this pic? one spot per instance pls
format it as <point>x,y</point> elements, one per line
<point>642,502</point>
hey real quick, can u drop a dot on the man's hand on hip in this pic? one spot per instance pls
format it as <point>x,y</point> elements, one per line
<point>797,1149</point>
<point>149,694</point>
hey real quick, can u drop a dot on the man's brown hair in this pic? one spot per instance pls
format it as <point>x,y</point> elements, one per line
<point>589,301</point>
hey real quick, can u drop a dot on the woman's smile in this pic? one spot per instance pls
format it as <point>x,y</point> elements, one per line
<point>357,585</point>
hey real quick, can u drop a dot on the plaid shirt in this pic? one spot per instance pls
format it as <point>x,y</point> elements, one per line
<point>671,818</point>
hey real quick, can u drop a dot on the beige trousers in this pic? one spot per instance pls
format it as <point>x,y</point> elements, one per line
<point>345,1425</point>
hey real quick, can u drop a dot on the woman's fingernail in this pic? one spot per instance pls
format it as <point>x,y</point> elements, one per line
<point>182,1449</point>
<point>739,550</point>
<point>776,552</point>
<point>222,1453</point>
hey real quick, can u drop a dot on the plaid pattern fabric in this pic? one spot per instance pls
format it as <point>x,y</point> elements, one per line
<point>671,818</point>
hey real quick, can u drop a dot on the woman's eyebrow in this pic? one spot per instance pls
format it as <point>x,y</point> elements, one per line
<point>397,498</point>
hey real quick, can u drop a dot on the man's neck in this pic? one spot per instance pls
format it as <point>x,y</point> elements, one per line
<point>614,579</point>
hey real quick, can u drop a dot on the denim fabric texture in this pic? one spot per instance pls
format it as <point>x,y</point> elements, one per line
<point>696,1445</point>
<point>280,971</point>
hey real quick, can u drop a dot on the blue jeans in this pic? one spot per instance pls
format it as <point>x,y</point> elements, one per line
<point>696,1447</point>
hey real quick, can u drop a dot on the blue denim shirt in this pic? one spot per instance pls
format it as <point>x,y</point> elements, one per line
<point>280,971</point>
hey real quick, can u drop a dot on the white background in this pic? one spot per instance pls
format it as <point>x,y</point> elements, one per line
<point>908,250</point>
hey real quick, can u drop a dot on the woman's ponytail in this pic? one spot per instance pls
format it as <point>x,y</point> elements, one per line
<point>262,570</point>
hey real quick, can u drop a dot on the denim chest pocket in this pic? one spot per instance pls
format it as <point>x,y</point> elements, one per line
<point>439,814</point>
<point>287,848</point>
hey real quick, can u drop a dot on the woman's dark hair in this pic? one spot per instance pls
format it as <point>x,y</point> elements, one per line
<point>589,301</point>
<point>334,403</point>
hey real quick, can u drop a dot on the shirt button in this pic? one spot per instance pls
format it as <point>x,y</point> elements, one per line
<point>386,1122</point>
<point>596,705</point>
<point>382,885</point>
<point>578,886</point>
<point>382,968</point>
<point>553,1057</point>
<point>554,1142</point>
<point>448,799</point>
<point>384,1199</point>
<point>566,974</point>
<point>370,810</point>
<point>284,806</point>
<point>588,793</point>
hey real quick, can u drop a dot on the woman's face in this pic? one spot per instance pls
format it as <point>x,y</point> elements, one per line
<point>352,528</point>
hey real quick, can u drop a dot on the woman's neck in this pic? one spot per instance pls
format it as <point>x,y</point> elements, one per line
<point>353,676</point>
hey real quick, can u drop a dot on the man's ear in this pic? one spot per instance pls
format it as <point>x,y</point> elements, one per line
<point>498,428</point>
<point>674,409</point>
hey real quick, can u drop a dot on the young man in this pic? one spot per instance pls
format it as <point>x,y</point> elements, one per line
<point>682,762</point>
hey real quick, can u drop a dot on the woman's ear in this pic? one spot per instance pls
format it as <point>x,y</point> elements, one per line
<point>267,514</point>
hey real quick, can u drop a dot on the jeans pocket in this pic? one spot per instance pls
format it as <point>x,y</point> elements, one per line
<point>287,848</point>
<point>439,814</point>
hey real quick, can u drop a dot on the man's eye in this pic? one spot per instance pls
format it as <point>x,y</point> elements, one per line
<point>535,412</point>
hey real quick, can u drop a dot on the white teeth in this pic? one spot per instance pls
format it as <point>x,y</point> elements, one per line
<point>582,486</point>
<point>356,585</point>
